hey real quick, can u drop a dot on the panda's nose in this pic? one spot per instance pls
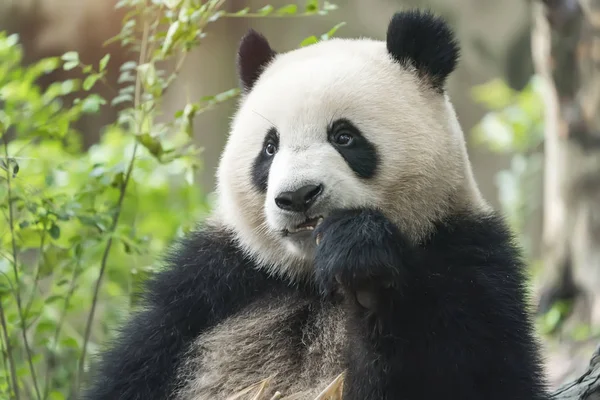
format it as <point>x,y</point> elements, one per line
<point>299,200</point>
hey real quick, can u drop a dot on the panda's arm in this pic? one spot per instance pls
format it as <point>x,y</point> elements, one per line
<point>206,279</point>
<point>447,319</point>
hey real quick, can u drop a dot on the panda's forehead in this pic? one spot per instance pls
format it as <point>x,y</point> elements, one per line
<point>303,91</point>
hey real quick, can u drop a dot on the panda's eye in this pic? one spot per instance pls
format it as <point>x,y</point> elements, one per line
<point>270,149</point>
<point>343,139</point>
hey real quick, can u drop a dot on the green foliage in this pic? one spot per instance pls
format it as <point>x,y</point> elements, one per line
<point>80,230</point>
<point>551,320</point>
<point>514,125</point>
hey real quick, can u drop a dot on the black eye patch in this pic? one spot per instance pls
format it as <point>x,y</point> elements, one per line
<point>360,154</point>
<point>264,159</point>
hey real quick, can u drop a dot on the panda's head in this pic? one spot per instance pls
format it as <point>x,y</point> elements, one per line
<point>343,124</point>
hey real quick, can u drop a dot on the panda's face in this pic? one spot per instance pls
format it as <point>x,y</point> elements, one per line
<point>339,124</point>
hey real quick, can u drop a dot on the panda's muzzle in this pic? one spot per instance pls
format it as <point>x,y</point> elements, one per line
<point>299,200</point>
<point>298,203</point>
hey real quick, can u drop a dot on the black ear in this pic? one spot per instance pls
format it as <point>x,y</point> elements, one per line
<point>425,42</point>
<point>254,54</point>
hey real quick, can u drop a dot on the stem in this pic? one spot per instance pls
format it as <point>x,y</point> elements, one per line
<point>11,221</point>
<point>36,279</point>
<point>274,15</point>
<point>11,361</point>
<point>88,328</point>
<point>61,321</point>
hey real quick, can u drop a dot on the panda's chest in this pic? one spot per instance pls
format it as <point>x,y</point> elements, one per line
<point>297,343</point>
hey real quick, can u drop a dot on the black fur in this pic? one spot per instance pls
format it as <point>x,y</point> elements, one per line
<point>254,54</point>
<point>421,40</point>
<point>263,161</point>
<point>207,280</point>
<point>361,155</point>
<point>448,319</point>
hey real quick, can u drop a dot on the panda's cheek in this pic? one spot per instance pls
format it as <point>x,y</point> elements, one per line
<point>272,218</point>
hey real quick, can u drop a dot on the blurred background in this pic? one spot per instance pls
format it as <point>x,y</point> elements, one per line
<point>526,92</point>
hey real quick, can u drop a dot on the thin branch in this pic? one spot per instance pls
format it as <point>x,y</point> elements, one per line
<point>88,328</point>
<point>11,361</point>
<point>11,224</point>
<point>5,360</point>
<point>36,279</point>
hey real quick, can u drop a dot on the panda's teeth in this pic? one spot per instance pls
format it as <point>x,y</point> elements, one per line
<point>309,225</point>
<point>302,228</point>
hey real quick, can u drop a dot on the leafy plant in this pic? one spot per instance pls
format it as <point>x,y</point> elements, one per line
<point>81,229</point>
<point>514,125</point>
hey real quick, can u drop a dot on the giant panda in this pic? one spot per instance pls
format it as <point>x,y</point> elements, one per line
<point>349,237</point>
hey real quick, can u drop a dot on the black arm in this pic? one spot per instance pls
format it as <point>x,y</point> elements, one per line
<point>444,320</point>
<point>206,279</point>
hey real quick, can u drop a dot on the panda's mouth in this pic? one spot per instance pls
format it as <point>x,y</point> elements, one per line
<point>307,226</point>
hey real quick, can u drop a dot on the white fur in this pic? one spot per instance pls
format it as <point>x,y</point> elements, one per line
<point>257,344</point>
<point>424,170</point>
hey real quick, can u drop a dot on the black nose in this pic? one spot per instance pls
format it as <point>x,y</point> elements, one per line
<point>300,200</point>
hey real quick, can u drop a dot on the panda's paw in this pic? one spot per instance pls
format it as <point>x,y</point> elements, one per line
<point>359,249</point>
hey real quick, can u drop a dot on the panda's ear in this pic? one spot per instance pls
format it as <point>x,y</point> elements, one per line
<point>254,54</point>
<point>421,40</point>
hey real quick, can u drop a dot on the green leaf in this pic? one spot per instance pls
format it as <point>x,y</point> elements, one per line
<point>189,112</point>
<point>290,9</point>
<point>12,40</point>
<point>69,86</point>
<point>118,180</point>
<point>327,6</point>
<point>243,11</point>
<point>104,62</point>
<point>70,342</point>
<point>90,81</point>
<point>72,56</point>
<point>92,103</point>
<point>173,34</point>
<point>226,95</point>
<point>54,231</point>
<point>266,10</point>
<point>126,76</point>
<point>56,395</point>
<point>308,41</point>
<point>311,6</point>
<point>128,66</point>
<point>148,76</point>
<point>53,298</point>
<point>122,98</point>
<point>45,327</point>
<point>70,65</point>
<point>153,145</point>
<point>332,31</point>
<point>495,94</point>
<point>62,282</point>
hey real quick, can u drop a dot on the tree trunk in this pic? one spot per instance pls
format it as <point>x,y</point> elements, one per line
<point>566,54</point>
<point>586,387</point>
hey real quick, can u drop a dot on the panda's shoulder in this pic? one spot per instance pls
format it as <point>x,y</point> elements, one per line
<point>476,239</point>
<point>199,266</point>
